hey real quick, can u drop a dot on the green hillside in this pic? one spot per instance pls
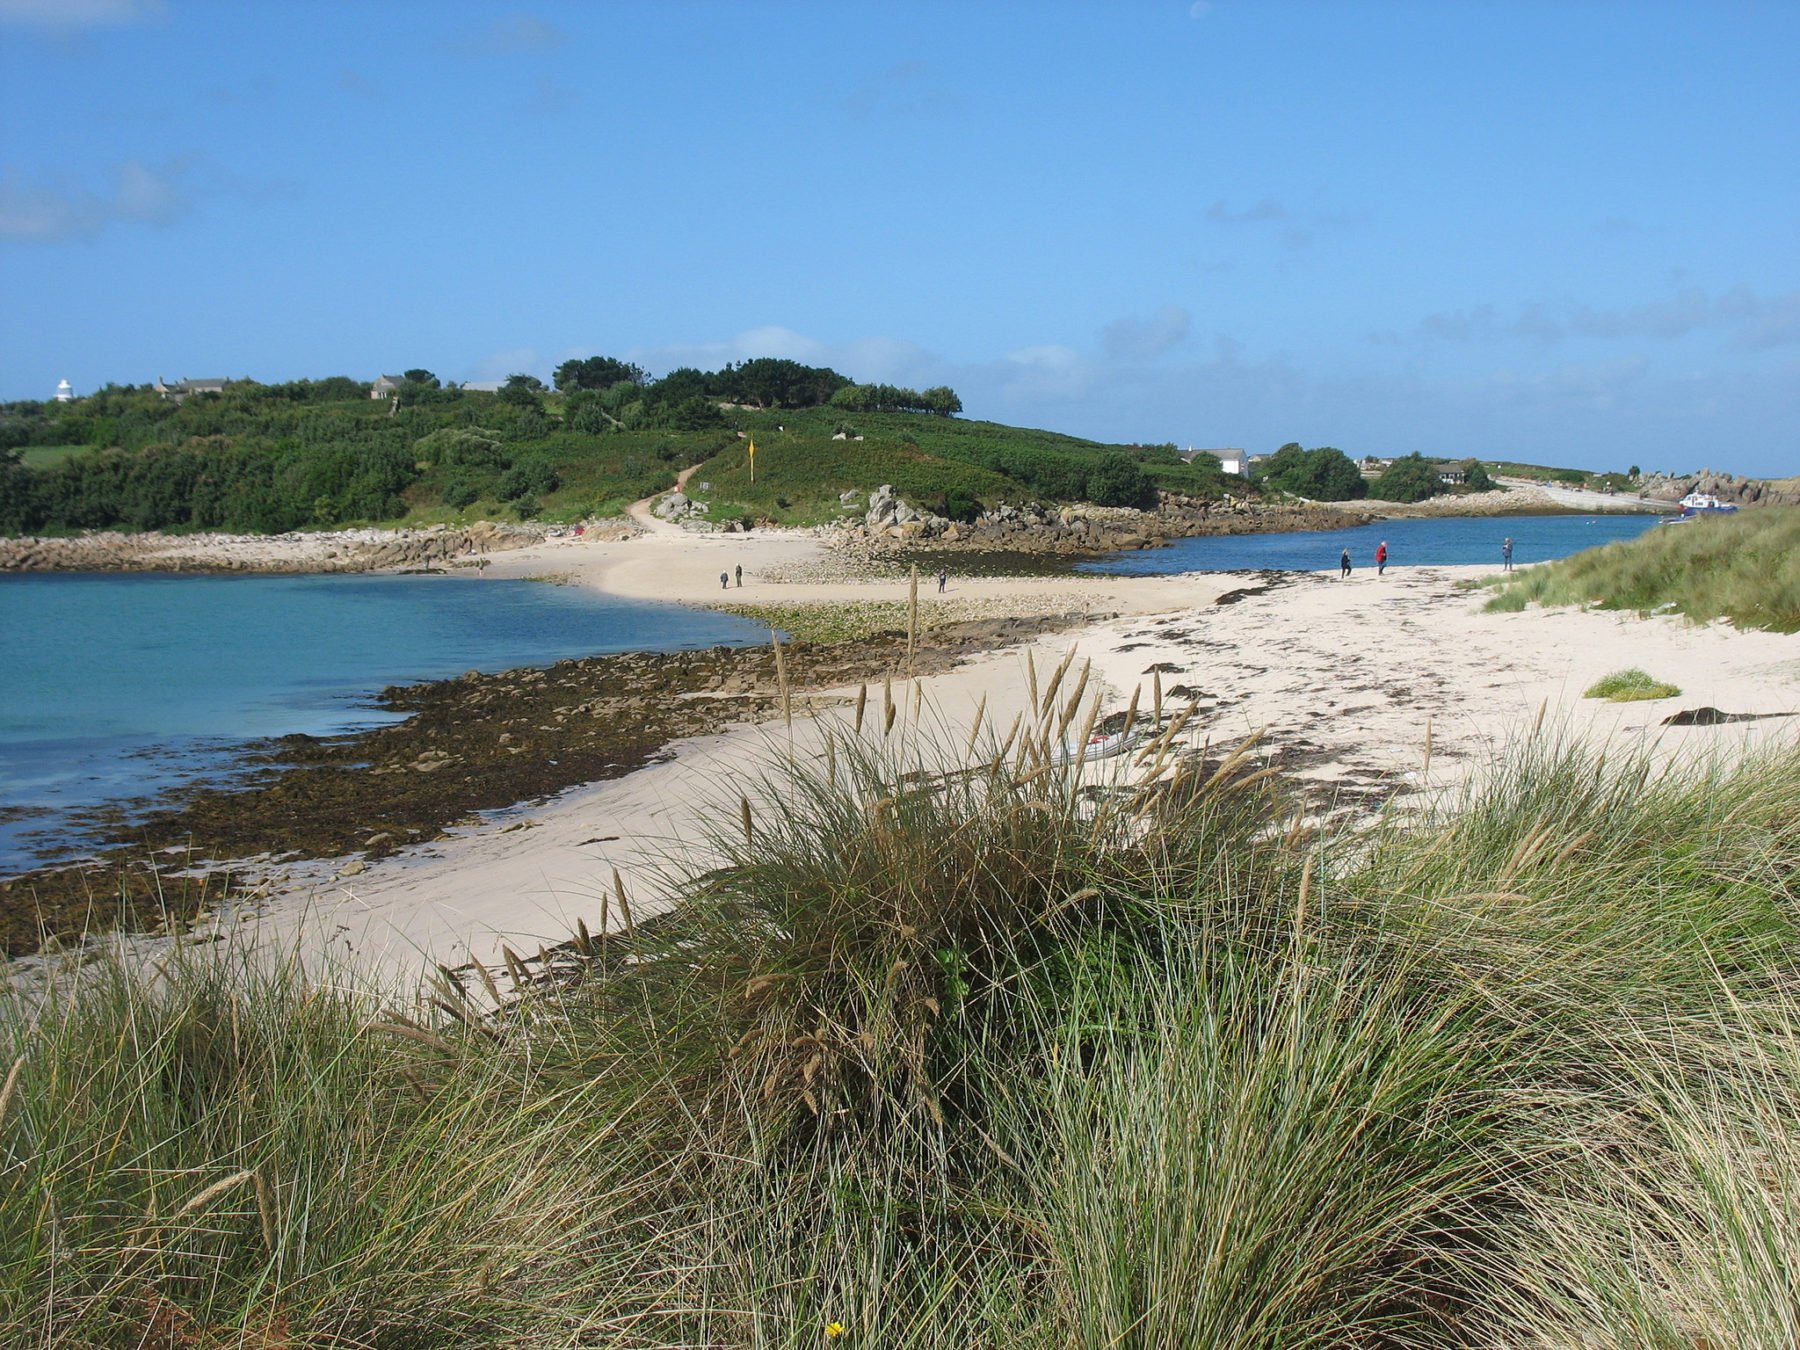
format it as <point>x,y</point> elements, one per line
<point>314,454</point>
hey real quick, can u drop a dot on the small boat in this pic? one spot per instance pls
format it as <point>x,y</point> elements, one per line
<point>1698,503</point>
<point>1098,747</point>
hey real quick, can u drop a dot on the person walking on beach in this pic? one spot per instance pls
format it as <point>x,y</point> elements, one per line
<point>1344,565</point>
<point>1381,557</point>
<point>943,576</point>
<point>724,581</point>
<point>1506,554</point>
<point>740,576</point>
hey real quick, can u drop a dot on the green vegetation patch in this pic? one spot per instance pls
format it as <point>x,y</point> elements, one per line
<point>1630,686</point>
<point>954,1045</point>
<point>1744,568</point>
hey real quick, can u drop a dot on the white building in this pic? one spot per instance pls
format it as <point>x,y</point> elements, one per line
<point>1231,459</point>
<point>65,392</point>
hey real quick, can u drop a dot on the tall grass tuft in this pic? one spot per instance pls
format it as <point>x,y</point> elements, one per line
<point>962,1043</point>
<point>1744,568</point>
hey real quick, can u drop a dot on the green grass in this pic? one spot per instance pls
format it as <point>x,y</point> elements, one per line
<point>1744,568</point>
<point>43,456</point>
<point>954,1045</point>
<point>1630,686</point>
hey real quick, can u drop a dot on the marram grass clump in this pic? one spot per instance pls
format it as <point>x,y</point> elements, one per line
<point>1744,568</point>
<point>1630,686</point>
<point>954,1042</point>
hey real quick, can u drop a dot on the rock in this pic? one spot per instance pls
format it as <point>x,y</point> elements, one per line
<point>354,868</point>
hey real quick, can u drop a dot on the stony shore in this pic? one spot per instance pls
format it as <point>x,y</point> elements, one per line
<point>476,744</point>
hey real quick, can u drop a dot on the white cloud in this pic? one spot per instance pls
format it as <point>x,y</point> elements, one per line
<point>509,361</point>
<point>48,212</point>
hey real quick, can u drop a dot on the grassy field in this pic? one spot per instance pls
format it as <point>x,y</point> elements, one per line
<point>43,456</point>
<point>1743,567</point>
<point>952,1051</point>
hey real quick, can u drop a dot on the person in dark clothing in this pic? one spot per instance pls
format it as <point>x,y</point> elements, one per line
<point>724,581</point>
<point>1344,565</point>
<point>740,576</point>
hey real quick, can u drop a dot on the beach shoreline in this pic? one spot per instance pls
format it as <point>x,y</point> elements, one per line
<point>1345,683</point>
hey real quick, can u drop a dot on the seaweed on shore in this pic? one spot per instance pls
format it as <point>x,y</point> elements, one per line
<point>477,743</point>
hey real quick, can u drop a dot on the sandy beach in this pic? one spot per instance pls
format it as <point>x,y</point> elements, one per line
<point>1345,682</point>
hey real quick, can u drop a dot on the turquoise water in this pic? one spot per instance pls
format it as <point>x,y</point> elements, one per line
<point>1425,541</point>
<point>115,687</point>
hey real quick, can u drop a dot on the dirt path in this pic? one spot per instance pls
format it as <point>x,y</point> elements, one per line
<point>648,521</point>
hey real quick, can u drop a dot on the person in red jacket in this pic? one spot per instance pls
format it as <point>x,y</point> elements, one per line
<point>1380,557</point>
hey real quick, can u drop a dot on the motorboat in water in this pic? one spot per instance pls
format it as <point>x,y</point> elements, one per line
<point>1697,504</point>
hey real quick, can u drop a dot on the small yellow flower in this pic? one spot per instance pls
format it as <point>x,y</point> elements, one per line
<point>834,1329</point>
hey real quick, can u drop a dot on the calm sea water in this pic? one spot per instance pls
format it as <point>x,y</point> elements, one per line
<point>115,687</point>
<point>1425,541</point>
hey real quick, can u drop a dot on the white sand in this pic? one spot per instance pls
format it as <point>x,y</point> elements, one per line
<point>1342,677</point>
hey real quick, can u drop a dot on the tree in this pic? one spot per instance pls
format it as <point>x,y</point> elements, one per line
<point>941,400</point>
<point>1325,474</point>
<point>421,376</point>
<point>521,391</point>
<point>1409,479</point>
<point>1476,476</point>
<point>597,372</point>
<point>1118,481</point>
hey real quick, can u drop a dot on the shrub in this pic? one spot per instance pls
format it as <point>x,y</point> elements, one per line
<point>1408,479</point>
<point>1629,686</point>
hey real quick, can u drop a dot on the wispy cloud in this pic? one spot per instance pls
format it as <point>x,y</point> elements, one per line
<point>69,15</point>
<point>358,85</point>
<point>48,212</point>
<point>1750,321</point>
<point>1146,337</point>
<point>1297,227</point>
<point>512,35</point>
<point>58,210</point>
<point>1268,209</point>
<point>509,361</point>
<point>548,99</point>
<point>908,89</point>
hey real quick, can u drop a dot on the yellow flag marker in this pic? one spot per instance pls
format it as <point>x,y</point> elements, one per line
<point>752,461</point>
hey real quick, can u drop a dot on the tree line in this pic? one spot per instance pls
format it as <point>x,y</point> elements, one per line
<point>1327,474</point>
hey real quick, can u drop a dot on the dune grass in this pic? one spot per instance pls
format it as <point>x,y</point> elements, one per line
<point>1743,567</point>
<point>959,1044</point>
<point>1630,686</point>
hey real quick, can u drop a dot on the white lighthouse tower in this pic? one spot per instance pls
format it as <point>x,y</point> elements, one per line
<point>65,392</point>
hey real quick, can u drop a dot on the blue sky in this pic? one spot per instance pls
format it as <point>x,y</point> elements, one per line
<point>1559,232</point>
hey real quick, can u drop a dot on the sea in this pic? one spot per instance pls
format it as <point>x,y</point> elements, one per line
<point>118,688</point>
<point>115,689</point>
<point>1424,541</point>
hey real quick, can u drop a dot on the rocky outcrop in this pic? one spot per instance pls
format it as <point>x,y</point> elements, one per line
<point>1078,530</point>
<point>1725,486</point>
<point>329,551</point>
